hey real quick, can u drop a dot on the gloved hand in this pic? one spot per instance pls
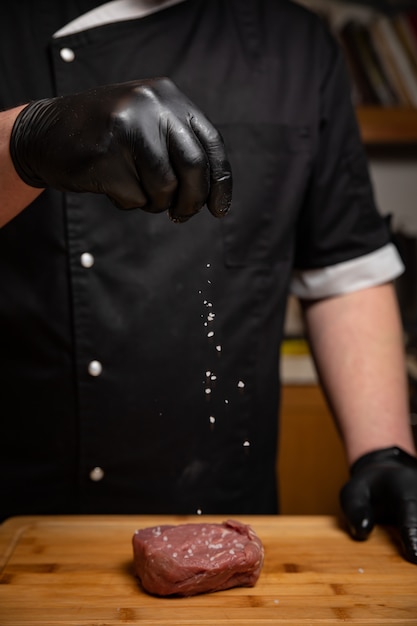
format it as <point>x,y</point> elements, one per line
<point>383,489</point>
<point>142,143</point>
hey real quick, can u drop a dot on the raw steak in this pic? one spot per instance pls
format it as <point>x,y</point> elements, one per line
<point>188,559</point>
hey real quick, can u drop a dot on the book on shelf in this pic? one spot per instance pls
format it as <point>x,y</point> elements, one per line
<point>365,64</point>
<point>396,59</point>
<point>363,91</point>
<point>412,21</point>
<point>407,36</point>
<point>381,55</point>
<point>379,40</point>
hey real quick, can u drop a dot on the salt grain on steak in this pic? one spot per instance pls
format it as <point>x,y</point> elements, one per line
<point>189,559</point>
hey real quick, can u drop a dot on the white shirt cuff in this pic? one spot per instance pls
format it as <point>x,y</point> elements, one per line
<point>368,270</point>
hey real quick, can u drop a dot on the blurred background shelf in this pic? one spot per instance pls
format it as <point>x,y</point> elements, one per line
<point>387,126</point>
<point>311,477</point>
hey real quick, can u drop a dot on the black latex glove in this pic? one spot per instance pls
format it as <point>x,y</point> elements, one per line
<point>142,143</point>
<point>383,489</point>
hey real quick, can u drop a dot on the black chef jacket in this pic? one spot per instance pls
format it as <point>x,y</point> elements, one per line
<point>139,358</point>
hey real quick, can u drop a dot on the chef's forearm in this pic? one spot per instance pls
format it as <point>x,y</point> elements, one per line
<point>15,195</point>
<point>357,343</point>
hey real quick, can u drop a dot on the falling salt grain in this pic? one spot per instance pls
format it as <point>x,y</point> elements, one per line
<point>199,512</point>
<point>208,265</point>
<point>246,444</point>
<point>208,391</point>
<point>241,384</point>
<point>212,419</point>
<point>208,373</point>
<point>218,348</point>
<point>360,570</point>
<point>276,601</point>
<point>213,377</point>
<point>210,334</point>
<point>226,401</point>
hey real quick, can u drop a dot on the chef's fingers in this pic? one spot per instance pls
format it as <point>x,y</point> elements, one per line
<point>357,509</point>
<point>122,185</point>
<point>192,169</point>
<point>408,528</point>
<point>409,543</point>
<point>221,181</point>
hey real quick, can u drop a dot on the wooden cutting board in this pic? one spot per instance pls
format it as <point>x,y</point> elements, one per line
<point>59,571</point>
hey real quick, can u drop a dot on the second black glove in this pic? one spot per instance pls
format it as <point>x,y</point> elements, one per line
<point>383,488</point>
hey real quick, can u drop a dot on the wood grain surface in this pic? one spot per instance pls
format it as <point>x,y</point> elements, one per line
<point>78,571</point>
